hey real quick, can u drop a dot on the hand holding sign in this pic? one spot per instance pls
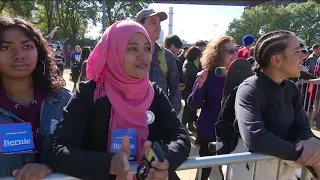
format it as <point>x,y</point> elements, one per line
<point>120,161</point>
<point>117,138</point>
<point>32,172</point>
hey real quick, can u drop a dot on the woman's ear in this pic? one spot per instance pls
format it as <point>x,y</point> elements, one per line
<point>275,60</point>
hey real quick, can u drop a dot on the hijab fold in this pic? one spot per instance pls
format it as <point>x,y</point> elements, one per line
<point>130,98</point>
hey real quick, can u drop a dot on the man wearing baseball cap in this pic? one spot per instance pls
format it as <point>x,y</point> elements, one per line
<point>163,68</point>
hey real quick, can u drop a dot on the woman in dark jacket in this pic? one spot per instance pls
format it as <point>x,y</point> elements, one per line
<point>269,110</point>
<point>85,53</point>
<point>119,100</point>
<point>190,68</point>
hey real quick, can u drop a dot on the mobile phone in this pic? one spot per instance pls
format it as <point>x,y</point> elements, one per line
<point>155,153</point>
<point>313,172</point>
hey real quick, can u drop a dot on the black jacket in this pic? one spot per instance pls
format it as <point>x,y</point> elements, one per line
<point>190,72</point>
<point>80,141</point>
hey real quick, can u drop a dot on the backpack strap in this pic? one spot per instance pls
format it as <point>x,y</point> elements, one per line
<point>162,60</point>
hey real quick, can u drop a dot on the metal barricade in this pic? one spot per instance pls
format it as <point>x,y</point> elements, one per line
<point>311,99</point>
<point>197,163</point>
<point>191,163</point>
<point>311,104</point>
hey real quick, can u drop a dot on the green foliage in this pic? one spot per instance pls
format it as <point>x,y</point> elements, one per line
<point>71,16</point>
<point>22,8</point>
<point>301,18</point>
<point>122,9</point>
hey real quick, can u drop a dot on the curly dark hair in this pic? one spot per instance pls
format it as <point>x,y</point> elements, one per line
<point>45,78</point>
<point>268,45</point>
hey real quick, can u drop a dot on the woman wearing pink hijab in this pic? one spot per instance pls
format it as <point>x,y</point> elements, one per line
<point>119,100</point>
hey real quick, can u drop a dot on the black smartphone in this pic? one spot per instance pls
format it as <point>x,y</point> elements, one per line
<point>313,172</point>
<point>155,153</point>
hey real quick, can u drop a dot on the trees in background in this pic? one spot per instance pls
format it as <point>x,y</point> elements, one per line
<point>301,18</point>
<point>73,17</point>
<point>122,9</point>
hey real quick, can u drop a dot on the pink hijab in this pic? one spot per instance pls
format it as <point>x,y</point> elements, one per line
<point>130,98</point>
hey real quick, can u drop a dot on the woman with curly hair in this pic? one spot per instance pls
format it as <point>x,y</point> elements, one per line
<point>31,91</point>
<point>207,91</point>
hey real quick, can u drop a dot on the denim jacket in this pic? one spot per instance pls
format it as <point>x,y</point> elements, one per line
<point>51,114</point>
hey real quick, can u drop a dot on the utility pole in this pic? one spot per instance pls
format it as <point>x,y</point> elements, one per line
<point>215,30</point>
<point>170,20</point>
<point>104,16</point>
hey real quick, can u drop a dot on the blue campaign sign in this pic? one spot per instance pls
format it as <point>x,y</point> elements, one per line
<point>16,137</point>
<point>117,135</point>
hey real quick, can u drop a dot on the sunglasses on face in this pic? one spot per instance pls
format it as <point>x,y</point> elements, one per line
<point>232,51</point>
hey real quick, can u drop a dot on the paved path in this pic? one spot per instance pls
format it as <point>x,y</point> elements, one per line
<point>186,174</point>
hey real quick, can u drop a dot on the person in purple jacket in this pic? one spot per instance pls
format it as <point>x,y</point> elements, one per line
<point>207,91</point>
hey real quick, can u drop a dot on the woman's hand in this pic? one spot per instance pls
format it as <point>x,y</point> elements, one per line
<point>202,77</point>
<point>31,171</point>
<point>159,170</point>
<point>311,151</point>
<point>120,161</point>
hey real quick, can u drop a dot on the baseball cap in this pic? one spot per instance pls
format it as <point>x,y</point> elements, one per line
<point>248,40</point>
<point>150,12</point>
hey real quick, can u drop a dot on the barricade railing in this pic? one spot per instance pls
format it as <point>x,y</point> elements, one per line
<point>191,163</point>
<point>311,99</point>
<point>198,163</point>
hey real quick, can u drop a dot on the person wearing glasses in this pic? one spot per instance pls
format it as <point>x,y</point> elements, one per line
<point>207,91</point>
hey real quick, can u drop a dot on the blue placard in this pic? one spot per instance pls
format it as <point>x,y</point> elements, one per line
<point>117,135</point>
<point>16,137</point>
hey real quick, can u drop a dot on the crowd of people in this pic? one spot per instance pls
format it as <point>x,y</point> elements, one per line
<point>130,83</point>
